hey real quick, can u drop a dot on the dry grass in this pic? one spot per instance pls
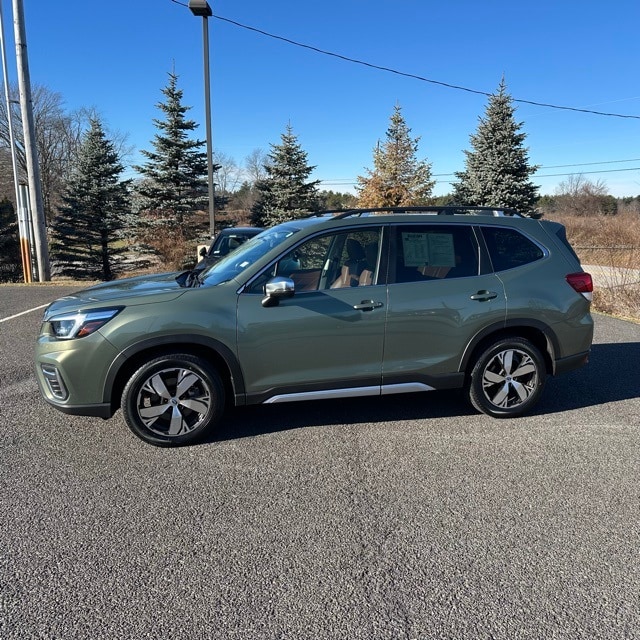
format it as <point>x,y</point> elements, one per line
<point>613,242</point>
<point>606,240</point>
<point>620,301</point>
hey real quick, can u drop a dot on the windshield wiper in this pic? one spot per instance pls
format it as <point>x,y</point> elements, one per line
<point>197,278</point>
<point>188,279</point>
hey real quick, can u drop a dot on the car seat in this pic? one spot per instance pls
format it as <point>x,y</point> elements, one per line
<point>353,267</point>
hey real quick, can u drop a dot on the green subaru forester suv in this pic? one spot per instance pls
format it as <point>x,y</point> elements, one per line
<point>361,303</point>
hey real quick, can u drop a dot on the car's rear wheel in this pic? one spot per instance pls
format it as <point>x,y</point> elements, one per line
<point>173,400</point>
<point>507,378</point>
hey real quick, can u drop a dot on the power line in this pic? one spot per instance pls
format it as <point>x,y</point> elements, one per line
<point>411,75</point>
<point>579,173</point>
<point>587,164</point>
<point>551,166</point>
<point>348,181</point>
<point>414,76</point>
<point>564,166</point>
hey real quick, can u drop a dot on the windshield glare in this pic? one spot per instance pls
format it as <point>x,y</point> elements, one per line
<point>246,254</point>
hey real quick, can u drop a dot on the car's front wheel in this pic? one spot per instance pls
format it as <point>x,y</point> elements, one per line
<point>173,399</point>
<point>507,378</point>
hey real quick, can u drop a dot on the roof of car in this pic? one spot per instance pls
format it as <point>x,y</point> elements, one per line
<point>439,210</point>
<point>408,215</point>
<point>241,230</point>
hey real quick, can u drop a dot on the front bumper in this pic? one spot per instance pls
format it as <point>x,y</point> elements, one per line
<point>104,410</point>
<point>72,374</point>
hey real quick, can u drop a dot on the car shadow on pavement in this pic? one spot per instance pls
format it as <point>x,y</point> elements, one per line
<point>610,376</point>
<point>262,419</point>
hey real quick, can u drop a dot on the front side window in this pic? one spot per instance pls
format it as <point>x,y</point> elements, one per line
<point>434,252</point>
<point>331,261</point>
<point>508,248</point>
<point>356,258</point>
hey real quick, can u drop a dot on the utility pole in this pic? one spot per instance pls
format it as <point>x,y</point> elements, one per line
<point>31,152</point>
<point>24,236</point>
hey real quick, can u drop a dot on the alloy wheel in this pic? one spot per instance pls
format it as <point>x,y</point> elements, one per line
<point>173,401</point>
<point>510,378</point>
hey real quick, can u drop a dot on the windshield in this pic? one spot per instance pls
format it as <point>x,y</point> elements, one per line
<point>224,244</point>
<point>246,255</point>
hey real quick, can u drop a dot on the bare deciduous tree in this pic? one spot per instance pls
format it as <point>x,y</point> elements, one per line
<point>58,137</point>
<point>228,176</point>
<point>582,197</point>
<point>255,166</point>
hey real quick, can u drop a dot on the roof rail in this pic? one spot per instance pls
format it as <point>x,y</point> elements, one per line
<point>326,212</point>
<point>444,210</point>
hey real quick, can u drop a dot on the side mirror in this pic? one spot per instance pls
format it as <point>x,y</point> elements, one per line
<point>278,289</point>
<point>203,251</point>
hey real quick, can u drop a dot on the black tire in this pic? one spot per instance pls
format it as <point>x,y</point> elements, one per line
<point>172,400</point>
<point>507,378</point>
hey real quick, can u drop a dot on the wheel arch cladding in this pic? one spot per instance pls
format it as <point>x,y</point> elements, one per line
<point>537,333</point>
<point>132,358</point>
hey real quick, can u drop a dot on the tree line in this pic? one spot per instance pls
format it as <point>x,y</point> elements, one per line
<point>101,224</point>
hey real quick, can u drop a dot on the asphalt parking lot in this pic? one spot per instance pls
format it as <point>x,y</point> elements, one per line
<point>407,517</point>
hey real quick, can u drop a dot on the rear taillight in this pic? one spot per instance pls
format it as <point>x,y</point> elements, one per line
<point>582,283</point>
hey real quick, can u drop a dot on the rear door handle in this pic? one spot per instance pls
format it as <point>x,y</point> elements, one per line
<point>484,295</point>
<point>367,305</point>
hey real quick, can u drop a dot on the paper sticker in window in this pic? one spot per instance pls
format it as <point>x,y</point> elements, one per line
<point>441,251</point>
<point>428,249</point>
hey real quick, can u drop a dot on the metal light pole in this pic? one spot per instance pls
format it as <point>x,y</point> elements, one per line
<point>202,8</point>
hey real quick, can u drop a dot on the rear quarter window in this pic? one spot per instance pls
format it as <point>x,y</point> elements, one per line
<point>561,233</point>
<point>508,248</point>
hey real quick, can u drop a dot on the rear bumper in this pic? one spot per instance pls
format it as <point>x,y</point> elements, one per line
<point>572,362</point>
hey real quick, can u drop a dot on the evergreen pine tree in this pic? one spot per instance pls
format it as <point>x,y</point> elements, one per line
<point>10,258</point>
<point>497,170</point>
<point>174,184</point>
<point>285,193</point>
<point>398,178</point>
<point>85,233</point>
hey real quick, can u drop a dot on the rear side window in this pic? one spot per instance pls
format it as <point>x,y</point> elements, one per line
<point>434,252</point>
<point>508,248</point>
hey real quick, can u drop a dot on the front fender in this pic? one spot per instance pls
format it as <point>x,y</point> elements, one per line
<point>197,344</point>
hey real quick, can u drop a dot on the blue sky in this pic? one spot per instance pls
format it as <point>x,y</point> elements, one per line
<point>115,56</point>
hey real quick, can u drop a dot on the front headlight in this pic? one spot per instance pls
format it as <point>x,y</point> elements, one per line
<point>81,323</point>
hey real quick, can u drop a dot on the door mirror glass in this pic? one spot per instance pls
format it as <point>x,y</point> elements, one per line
<point>278,289</point>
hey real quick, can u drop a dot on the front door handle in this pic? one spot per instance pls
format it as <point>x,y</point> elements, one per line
<point>484,295</point>
<point>367,305</point>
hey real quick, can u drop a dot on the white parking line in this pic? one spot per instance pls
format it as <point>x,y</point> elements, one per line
<point>17,315</point>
